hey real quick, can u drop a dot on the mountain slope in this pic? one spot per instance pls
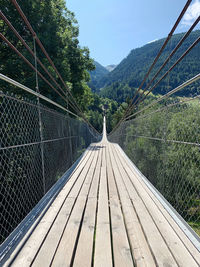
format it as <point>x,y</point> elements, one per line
<point>111,67</point>
<point>96,75</point>
<point>132,69</point>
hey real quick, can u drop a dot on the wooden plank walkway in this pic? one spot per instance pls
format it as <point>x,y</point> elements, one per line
<point>105,216</point>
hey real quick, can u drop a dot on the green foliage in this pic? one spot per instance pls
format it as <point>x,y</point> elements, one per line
<point>58,31</point>
<point>118,114</point>
<point>95,112</point>
<point>96,75</point>
<point>195,226</point>
<point>118,91</point>
<point>157,144</point>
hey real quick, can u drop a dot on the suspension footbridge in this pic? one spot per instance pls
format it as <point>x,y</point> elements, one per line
<point>71,196</point>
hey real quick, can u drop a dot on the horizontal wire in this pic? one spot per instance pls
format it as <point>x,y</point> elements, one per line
<point>13,82</point>
<point>163,140</point>
<point>32,104</point>
<point>167,106</point>
<point>39,142</point>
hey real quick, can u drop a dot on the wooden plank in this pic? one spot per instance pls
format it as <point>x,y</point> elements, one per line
<point>121,248</point>
<point>84,172</point>
<point>84,253</point>
<point>83,256</point>
<point>46,253</point>
<point>89,174</point>
<point>64,253</point>
<point>28,247</point>
<point>111,181</point>
<point>51,242</point>
<point>177,247</point>
<point>103,253</point>
<point>140,249</point>
<point>95,183</point>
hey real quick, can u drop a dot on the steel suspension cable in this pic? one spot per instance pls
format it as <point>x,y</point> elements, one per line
<point>162,48</point>
<point>167,60</point>
<point>49,59</point>
<point>170,69</point>
<point>28,48</point>
<point>154,62</point>
<point>32,53</point>
<point>194,79</point>
<point>43,49</point>
<point>26,60</point>
<point>165,107</point>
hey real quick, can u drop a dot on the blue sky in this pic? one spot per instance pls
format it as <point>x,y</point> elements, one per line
<point>112,28</point>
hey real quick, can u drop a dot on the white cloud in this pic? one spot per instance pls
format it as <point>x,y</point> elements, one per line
<point>152,41</point>
<point>192,13</point>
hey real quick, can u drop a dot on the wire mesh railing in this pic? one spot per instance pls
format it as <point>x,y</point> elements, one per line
<point>37,146</point>
<point>164,143</point>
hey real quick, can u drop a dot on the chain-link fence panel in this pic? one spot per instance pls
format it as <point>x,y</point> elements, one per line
<point>37,146</point>
<point>164,143</point>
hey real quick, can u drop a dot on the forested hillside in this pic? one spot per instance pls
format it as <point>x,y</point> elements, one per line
<point>96,75</point>
<point>129,73</point>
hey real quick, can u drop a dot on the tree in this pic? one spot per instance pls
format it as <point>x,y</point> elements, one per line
<point>58,31</point>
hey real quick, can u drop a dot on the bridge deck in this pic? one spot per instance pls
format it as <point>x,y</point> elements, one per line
<point>106,216</point>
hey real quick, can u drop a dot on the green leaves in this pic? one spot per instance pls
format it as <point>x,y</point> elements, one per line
<point>58,31</point>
